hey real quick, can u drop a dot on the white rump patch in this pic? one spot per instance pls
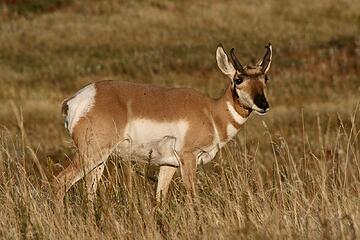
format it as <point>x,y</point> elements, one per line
<point>236,116</point>
<point>79,105</point>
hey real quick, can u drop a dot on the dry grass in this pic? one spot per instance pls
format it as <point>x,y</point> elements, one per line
<point>292,174</point>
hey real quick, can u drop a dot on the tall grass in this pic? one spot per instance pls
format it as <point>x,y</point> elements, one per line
<point>291,174</point>
<point>309,190</point>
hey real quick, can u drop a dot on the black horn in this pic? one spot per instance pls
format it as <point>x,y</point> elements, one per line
<point>265,63</point>
<point>236,62</point>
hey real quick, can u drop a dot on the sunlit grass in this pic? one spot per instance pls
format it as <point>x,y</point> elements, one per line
<point>293,173</point>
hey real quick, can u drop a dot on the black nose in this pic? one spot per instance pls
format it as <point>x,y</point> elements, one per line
<point>260,101</point>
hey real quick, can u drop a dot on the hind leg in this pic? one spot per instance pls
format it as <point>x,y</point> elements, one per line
<point>80,166</point>
<point>92,181</point>
<point>65,179</point>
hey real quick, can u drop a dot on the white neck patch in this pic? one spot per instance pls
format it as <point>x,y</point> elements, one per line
<point>231,131</point>
<point>236,116</point>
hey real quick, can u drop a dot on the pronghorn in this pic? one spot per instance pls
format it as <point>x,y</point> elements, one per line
<point>171,127</point>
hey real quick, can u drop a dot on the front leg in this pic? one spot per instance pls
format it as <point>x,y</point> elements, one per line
<point>166,149</point>
<point>188,173</point>
<point>165,175</point>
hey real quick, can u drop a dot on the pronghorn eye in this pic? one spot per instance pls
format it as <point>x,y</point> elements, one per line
<point>238,81</point>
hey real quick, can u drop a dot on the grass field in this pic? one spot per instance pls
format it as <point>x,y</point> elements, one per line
<point>292,174</point>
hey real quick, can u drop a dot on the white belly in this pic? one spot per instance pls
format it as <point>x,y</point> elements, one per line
<point>142,131</point>
<point>145,132</point>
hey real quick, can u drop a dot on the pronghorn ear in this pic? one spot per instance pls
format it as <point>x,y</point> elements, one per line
<point>265,63</point>
<point>223,62</point>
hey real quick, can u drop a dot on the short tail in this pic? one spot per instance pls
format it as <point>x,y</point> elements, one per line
<point>65,107</point>
<point>64,111</point>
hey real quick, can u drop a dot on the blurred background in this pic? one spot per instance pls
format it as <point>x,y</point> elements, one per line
<point>51,48</point>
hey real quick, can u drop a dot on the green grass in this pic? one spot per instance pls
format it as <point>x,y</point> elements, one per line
<point>291,174</point>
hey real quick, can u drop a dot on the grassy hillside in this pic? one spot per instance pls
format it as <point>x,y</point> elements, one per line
<point>294,173</point>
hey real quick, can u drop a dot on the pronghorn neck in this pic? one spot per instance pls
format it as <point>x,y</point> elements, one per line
<point>230,114</point>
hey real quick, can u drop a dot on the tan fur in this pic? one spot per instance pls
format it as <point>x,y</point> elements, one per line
<point>100,132</point>
<point>95,135</point>
<point>144,102</point>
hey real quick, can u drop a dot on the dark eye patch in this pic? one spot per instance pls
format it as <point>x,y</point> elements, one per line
<point>238,81</point>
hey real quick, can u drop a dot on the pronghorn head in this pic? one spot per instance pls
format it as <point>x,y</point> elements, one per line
<point>248,82</point>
